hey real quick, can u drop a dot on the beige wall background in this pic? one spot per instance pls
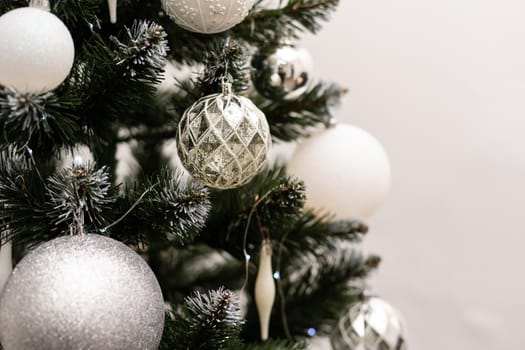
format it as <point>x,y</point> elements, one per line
<point>442,85</point>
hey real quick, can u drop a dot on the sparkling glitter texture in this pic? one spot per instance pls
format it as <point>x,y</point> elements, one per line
<point>223,140</point>
<point>207,16</point>
<point>86,292</point>
<point>36,50</point>
<point>370,325</point>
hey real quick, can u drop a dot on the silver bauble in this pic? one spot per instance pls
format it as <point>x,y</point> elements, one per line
<point>207,16</point>
<point>284,74</point>
<point>86,292</point>
<point>370,325</point>
<point>223,140</point>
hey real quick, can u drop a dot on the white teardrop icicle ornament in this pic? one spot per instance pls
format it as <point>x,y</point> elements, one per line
<point>112,5</point>
<point>265,289</point>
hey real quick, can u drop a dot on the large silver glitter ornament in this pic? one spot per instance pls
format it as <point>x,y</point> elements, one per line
<point>284,74</point>
<point>207,16</point>
<point>86,292</point>
<point>370,325</point>
<point>223,139</point>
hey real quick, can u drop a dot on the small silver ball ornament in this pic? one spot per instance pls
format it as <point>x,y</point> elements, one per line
<point>284,74</point>
<point>85,292</point>
<point>370,325</point>
<point>207,16</point>
<point>223,140</point>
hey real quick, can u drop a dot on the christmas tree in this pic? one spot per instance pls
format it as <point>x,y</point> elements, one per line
<point>242,252</point>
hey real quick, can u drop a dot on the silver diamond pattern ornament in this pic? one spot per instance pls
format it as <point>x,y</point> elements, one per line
<point>85,292</point>
<point>223,140</point>
<point>207,16</point>
<point>370,325</point>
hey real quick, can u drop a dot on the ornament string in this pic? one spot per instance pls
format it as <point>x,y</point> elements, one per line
<point>247,256</point>
<point>33,161</point>
<point>280,290</point>
<point>137,202</point>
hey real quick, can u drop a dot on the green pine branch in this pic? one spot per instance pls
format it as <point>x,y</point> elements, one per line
<point>169,211</point>
<point>276,197</point>
<point>291,119</point>
<point>288,22</point>
<point>207,321</point>
<point>41,121</point>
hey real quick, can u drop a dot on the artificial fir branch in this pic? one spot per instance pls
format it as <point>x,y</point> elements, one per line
<point>195,267</point>
<point>308,231</point>
<point>80,192</point>
<point>21,195</point>
<point>276,344</point>
<point>81,14</point>
<point>7,5</point>
<point>118,77</point>
<point>226,60</point>
<point>290,120</point>
<point>42,121</point>
<point>174,210</point>
<point>208,321</point>
<point>297,16</point>
<point>145,46</point>
<point>325,288</point>
<point>228,219</point>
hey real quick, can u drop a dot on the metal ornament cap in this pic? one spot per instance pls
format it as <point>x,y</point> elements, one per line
<point>223,140</point>
<point>85,292</point>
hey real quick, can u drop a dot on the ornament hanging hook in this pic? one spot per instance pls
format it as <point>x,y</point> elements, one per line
<point>226,86</point>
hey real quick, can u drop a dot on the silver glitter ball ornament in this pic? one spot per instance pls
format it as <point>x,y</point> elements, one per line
<point>207,16</point>
<point>223,140</point>
<point>284,74</point>
<point>86,292</point>
<point>370,325</point>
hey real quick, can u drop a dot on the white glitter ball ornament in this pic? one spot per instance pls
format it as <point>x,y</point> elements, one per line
<point>207,16</point>
<point>370,325</point>
<point>345,169</point>
<point>223,140</point>
<point>36,50</point>
<point>81,292</point>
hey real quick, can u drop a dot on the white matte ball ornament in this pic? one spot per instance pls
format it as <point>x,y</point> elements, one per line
<point>345,169</point>
<point>207,16</point>
<point>36,50</point>
<point>81,292</point>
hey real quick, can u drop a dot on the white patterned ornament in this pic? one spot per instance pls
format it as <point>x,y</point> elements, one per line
<point>370,325</point>
<point>81,292</point>
<point>36,50</point>
<point>207,16</point>
<point>345,169</point>
<point>223,140</point>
